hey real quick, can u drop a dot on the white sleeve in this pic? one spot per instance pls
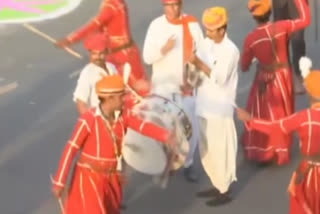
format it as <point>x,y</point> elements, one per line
<point>224,68</point>
<point>83,89</point>
<point>151,49</point>
<point>197,34</point>
<point>201,52</point>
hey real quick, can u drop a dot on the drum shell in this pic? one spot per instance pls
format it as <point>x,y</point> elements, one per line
<point>148,156</point>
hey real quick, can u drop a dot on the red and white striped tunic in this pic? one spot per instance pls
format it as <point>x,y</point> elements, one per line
<point>278,99</point>
<point>113,21</point>
<point>92,191</point>
<point>307,124</point>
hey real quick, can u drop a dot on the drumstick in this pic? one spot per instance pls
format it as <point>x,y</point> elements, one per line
<point>59,199</point>
<point>61,205</point>
<point>46,36</point>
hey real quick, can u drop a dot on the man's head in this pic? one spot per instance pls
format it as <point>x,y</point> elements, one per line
<point>111,91</point>
<point>260,10</point>
<point>215,20</point>
<point>172,9</point>
<point>97,45</point>
<point>311,79</point>
<point>311,83</point>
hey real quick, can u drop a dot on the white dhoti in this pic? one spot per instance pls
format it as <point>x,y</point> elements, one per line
<point>218,150</point>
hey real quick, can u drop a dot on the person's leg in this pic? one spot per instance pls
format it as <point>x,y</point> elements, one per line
<point>203,149</point>
<point>189,108</point>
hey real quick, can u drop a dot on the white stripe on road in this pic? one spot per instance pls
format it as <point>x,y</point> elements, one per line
<point>9,87</point>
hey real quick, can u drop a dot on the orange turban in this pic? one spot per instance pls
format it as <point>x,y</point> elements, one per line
<point>311,83</point>
<point>171,1</point>
<point>110,85</point>
<point>96,42</point>
<point>214,18</point>
<point>259,7</point>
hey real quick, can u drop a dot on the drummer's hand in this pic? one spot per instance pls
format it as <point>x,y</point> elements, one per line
<point>57,191</point>
<point>141,86</point>
<point>170,44</point>
<point>193,58</point>
<point>63,43</point>
<point>243,115</point>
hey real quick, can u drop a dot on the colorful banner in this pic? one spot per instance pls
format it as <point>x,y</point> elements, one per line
<point>21,11</point>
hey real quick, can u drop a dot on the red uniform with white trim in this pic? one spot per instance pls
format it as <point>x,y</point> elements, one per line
<point>113,21</point>
<point>96,187</point>
<point>271,96</point>
<point>307,124</point>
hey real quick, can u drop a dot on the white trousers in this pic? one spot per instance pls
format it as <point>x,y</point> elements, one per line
<point>218,150</point>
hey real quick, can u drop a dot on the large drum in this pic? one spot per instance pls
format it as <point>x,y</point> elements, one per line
<point>149,156</point>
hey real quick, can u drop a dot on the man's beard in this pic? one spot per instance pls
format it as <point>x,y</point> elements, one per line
<point>99,62</point>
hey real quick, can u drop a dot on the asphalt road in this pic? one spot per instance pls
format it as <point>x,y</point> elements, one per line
<point>37,116</point>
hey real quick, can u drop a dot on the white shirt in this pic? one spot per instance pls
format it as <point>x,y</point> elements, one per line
<point>167,71</point>
<point>217,93</point>
<point>89,76</point>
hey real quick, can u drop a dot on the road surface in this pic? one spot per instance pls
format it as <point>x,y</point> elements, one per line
<point>37,116</point>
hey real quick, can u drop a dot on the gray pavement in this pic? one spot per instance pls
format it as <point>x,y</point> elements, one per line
<point>37,116</point>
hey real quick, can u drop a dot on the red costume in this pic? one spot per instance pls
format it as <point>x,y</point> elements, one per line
<point>271,96</point>
<point>113,21</point>
<point>96,186</point>
<point>306,198</point>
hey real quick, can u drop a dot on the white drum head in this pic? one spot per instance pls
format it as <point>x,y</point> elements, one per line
<point>143,153</point>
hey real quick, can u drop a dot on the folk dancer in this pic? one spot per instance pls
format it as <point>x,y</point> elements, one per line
<point>271,96</point>
<point>304,188</point>
<point>96,184</point>
<point>113,21</point>
<point>168,45</point>
<point>217,57</point>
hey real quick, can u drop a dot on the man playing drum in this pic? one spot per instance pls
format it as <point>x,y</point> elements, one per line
<point>217,57</point>
<point>96,185</point>
<point>170,40</point>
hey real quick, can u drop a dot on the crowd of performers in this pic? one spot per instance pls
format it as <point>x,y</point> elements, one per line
<point>173,42</point>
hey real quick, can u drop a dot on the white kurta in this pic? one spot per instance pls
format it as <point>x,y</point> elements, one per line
<point>89,76</point>
<point>167,70</point>
<point>214,107</point>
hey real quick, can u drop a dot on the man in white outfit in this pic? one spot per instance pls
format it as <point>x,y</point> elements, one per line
<point>169,43</point>
<point>217,57</point>
<point>84,95</point>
